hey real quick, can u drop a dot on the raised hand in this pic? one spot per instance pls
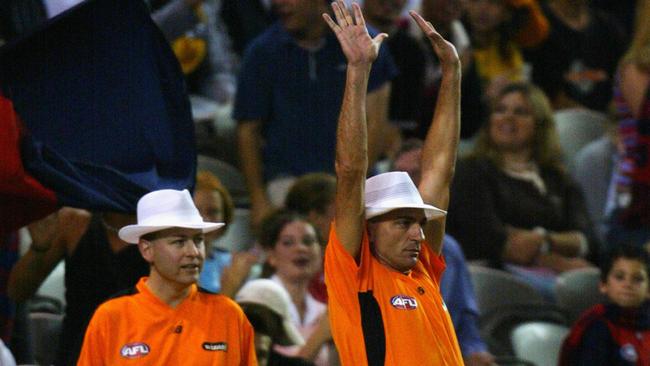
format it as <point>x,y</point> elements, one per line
<point>358,47</point>
<point>445,51</point>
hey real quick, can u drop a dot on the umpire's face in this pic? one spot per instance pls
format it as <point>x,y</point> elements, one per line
<point>396,238</point>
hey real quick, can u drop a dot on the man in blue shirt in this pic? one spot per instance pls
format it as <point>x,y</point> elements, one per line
<point>289,95</point>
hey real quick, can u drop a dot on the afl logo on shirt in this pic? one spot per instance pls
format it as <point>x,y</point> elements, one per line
<point>134,350</point>
<point>403,302</point>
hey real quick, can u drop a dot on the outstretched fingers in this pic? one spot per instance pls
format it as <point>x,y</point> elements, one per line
<point>335,27</point>
<point>346,12</point>
<point>358,16</point>
<point>443,48</point>
<point>339,15</point>
<point>425,26</point>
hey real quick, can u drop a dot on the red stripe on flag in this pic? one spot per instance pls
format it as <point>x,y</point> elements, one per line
<point>23,199</point>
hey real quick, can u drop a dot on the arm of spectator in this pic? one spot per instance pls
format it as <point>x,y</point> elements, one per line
<point>321,335</point>
<point>250,144</point>
<point>234,276</point>
<point>568,243</point>
<point>522,245</point>
<point>176,18</point>
<point>559,263</point>
<point>440,145</point>
<point>352,136</point>
<point>50,241</point>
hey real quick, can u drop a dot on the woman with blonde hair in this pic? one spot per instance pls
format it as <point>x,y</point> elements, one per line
<point>512,203</point>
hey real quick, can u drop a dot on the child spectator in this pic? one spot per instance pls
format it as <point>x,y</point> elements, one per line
<point>616,333</point>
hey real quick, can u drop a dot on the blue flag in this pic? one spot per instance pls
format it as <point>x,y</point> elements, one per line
<point>102,100</point>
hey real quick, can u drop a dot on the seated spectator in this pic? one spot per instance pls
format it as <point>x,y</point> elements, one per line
<point>512,203</point>
<point>617,332</point>
<point>222,272</point>
<point>293,257</point>
<point>266,305</point>
<point>499,29</point>
<point>312,195</point>
<point>166,319</point>
<point>576,63</point>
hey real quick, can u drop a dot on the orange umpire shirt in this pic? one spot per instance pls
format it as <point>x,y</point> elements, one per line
<point>140,329</point>
<point>382,317</point>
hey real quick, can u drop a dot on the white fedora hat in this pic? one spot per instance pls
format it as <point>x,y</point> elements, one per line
<point>268,293</point>
<point>163,209</point>
<point>393,190</point>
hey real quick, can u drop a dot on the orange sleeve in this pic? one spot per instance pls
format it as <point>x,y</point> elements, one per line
<point>248,356</point>
<point>432,263</point>
<point>341,273</point>
<point>94,344</point>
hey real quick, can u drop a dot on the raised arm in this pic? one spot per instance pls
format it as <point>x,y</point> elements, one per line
<point>50,240</point>
<point>439,150</point>
<point>352,135</point>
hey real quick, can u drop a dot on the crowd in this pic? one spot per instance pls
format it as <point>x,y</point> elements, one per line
<point>446,107</point>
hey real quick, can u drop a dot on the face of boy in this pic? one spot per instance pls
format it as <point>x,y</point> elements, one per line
<point>627,283</point>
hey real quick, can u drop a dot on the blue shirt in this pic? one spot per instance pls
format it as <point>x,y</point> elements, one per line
<point>210,277</point>
<point>458,293</point>
<point>297,95</point>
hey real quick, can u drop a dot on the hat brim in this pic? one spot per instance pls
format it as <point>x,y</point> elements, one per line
<point>291,335</point>
<point>431,212</point>
<point>132,233</point>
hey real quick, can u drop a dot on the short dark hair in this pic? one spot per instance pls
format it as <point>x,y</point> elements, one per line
<point>627,251</point>
<point>311,192</point>
<point>273,224</point>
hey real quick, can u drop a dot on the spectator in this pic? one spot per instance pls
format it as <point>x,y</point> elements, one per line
<point>222,272</point>
<point>499,29</point>
<point>266,305</point>
<point>165,318</point>
<point>288,97</point>
<point>575,65</point>
<point>97,264</point>
<point>245,20</point>
<point>382,276</point>
<point>512,202</point>
<point>312,195</point>
<point>293,257</point>
<point>198,38</point>
<point>617,332</point>
<point>630,198</point>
